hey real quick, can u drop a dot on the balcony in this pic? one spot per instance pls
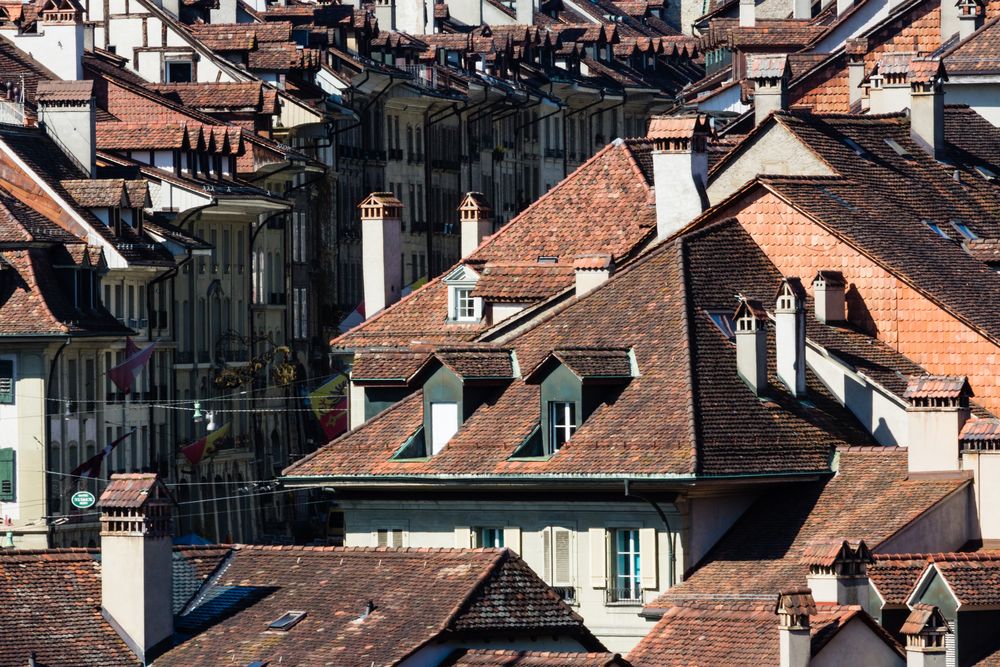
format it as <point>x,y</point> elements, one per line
<point>567,593</point>
<point>624,597</point>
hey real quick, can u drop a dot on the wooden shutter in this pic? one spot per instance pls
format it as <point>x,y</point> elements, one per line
<point>8,476</point>
<point>512,539</point>
<point>382,538</point>
<point>598,557</point>
<point>647,558</point>
<point>562,561</point>
<point>547,555</point>
<point>463,537</point>
<point>397,538</point>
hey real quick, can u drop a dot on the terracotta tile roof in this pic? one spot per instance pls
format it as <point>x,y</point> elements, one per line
<point>64,91</point>
<point>477,362</point>
<point>282,57</point>
<point>473,592</point>
<point>763,551</point>
<point>974,578</point>
<point>240,36</point>
<point>918,618</point>
<point>20,225</point>
<point>592,362</point>
<point>937,386</point>
<point>522,283</point>
<point>894,575</point>
<point>980,430</point>
<point>826,553</point>
<point>737,633</point>
<point>978,54</point>
<point>683,360</point>
<point>215,96</point>
<point>985,250</point>
<point>98,193</point>
<point>125,136</point>
<point>382,366</point>
<point>501,658</point>
<point>130,490</point>
<point>609,196</point>
<point>769,66</point>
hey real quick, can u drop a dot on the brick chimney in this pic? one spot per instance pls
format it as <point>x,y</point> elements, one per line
<point>748,13</point>
<point>592,271</point>
<point>794,607</point>
<point>66,112</point>
<point>856,49</point>
<point>137,562</point>
<point>770,75</point>
<point>828,296</point>
<point>838,572</point>
<point>477,221</point>
<point>381,249</point>
<point>969,17</point>
<point>939,408</point>
<point>680,170</point>
<point>790,335</point>
<point>927,77</point>
<point>750,322</point>
<point>925,629</point>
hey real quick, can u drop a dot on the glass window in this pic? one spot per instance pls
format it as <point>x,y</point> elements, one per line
<point>626,585</point>
<point>562,423</point>
<point>489,538</point>
<point>465,304</point>
<point>178,72</point>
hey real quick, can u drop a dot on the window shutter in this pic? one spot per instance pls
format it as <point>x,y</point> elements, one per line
<point>381,538</point>
<point>8,476</point>
<point>562,564</point>
<point>463,537</point>
<point>647,557</point>
<point>397,538</point>
<point>6,381</point>
<point>547,555</point>
<point>512,539</point>
<point>598,557</point>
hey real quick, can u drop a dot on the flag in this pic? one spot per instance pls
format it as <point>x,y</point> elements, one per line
<point>124,374</point>
<point>329,404</point>
<point>91,468</point>
<point>202,447</point>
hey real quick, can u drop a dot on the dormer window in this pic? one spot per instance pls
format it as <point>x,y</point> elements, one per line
<point>465,305</point>
<point>115,220</point>
<point>562,423</point>
<point>462,305</point>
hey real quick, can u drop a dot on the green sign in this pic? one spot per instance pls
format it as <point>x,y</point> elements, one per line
<point>83,499</point>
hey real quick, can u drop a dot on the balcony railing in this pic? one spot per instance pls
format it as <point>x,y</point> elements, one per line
<point>567,593</point>
<point>624,597</point>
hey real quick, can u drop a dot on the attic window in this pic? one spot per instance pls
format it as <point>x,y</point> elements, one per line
<point>894,145</point>
<point>286,621</point>
<point>964,230</point>
<point>723,320</point>
<point>856,147</point>
<point>840,200</point>
<point>547,259</point>
<point>937,230</point>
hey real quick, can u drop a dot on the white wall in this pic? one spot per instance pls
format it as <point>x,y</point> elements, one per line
<point>857,644</point>
<point>984,98</point>
<point>986,468</point>
<point>945,527</point>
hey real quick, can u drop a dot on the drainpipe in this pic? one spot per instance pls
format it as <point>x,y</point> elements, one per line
<point>671,535</point>
<point>48,435</point>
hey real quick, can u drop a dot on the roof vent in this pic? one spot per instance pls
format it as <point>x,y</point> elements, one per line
<point>368,611</point>
<point>285,622</point>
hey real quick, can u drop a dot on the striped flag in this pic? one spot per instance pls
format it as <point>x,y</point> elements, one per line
<point>124,374</point>
<point>91,468</point>
<point>202,447</point>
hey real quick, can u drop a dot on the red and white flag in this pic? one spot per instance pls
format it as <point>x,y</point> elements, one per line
<point>125,373</point>
<point>91,468</point>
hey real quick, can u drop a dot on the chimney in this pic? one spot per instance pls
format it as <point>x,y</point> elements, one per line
<point>802,9</point>
<point>924,630</point>
<point>750,321</point>
<point>939,408</point>
<point>969,13</point>
<point>838,573</point>
<point>770,76</point>
<point>59,41</point>
<point>828,296</point>
<point>855,49</point>
<point>748,13</point>
<point>381,250</point>
<point>592,271</point>
<point>137,561</point>
<point>790,335</point>
<point>979,445</point>
<point>66,113</point>
<point>927,77</point>
<point>794,607</point>
<point>477,221</point>
<point>525,11</point>
<point>680,170</point>
<point>889,85</point>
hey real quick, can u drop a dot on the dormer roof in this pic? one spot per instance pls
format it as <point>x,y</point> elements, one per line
<point>590,364</point>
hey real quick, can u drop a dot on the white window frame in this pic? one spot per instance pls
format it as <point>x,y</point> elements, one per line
<point>460,281</point>
<point>489,537</point>
<point>566,411</point>
<point>625,587</point>
<point>439,427</point>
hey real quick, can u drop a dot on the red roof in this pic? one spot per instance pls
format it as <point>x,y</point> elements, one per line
<point>502,658</point>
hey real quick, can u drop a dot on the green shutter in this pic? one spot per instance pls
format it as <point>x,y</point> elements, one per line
<point>6,381</point>
<point>8,476</point>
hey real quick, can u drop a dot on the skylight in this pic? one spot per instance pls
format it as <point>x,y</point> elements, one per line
<point>286,621</point>
<point>547,259</point>
<point>723,320</point>
<point>840,200</point>
<point>937,230</point>
<point>964,230</point>
<point>856,147</point>
<point>894,145</point>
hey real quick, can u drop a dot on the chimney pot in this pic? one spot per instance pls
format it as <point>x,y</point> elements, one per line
<point>924,631</point>
<point>927,77</point>
<point>66,111</point>
<point>794,607</point>
<point>838,572</point>
<point>750,324</point>
<point>477,221</point>
<point>381,246</point>
<point>592,271</point>
<point>969,15</point>
<point>770,75</point>
<point>828,296</point>
<point>939,408</point>
<point>680,170</point>
<point>790,335</point>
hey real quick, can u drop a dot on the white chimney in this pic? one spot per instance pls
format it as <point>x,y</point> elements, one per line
<point>979,444</point>
<point>794,608</point>
<point>790,335</point>
<point>748,13</point>
<point>856,49</point>
<point>939,408</point>
<point>58,42</point>
<point>750,322</point>
<point>66,112</point>
<point>925,629</point>
<point>477,221</point>
<point>838,572</point>
<point>680,170</point>
<point>969,15</point>
<point>770,75</point>
<point>381,250</point>
<point>828,297</point>
<point>927,77</point>
<point>801,9</point>
<point>592,271</point>
<point>137,561</point>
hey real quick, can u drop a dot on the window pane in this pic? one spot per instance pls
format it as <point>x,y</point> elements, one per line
<point>490,538</point>
<point>626,565</point>
<point>562,418</point>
